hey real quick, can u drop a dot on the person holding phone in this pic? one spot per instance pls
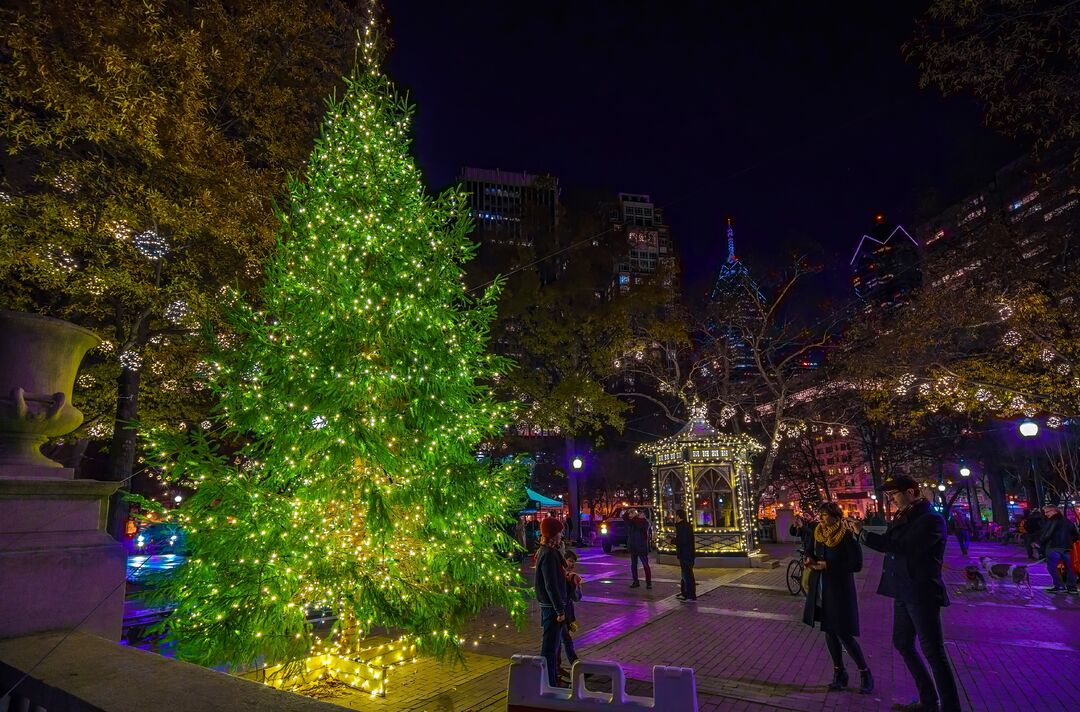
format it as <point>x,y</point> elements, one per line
<point>914,548</point>
<point>831,599</point>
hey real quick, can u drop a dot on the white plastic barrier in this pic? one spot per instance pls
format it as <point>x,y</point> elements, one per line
<point>528,690</point>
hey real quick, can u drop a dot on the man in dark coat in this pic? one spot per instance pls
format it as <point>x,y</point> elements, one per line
<point>685,553</point>
<point>962,529</point>
<point>1058,535</point>
<point>550,587</point>
<point>914,548</point>
<point>637,542</point>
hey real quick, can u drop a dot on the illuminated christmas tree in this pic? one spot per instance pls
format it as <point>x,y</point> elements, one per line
<point>340,475</point>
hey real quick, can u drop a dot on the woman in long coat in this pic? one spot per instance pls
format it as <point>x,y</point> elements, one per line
<point>831,599</point>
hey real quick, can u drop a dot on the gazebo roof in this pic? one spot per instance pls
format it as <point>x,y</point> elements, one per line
<point>699,433</point>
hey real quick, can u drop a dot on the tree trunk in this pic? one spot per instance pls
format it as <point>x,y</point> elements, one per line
<point>74,460</point>
<point>996,479</point>
<point>125,438</point>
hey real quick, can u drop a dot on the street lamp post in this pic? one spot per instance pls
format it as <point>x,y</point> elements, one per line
<point>1029,429</point>
<point>576,465</point>
<point>973,497</point>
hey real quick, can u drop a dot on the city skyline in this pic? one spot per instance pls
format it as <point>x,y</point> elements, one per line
<point>620,97</point>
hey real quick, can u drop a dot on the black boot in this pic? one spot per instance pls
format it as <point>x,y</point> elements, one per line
<point>839,679</point>
<point>866,682</point>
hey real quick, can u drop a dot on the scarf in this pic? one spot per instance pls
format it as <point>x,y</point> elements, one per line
<point>830,534</point>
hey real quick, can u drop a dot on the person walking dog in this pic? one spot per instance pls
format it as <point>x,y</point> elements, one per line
<point>914,547</point>
<point>1058,535</point>
<point>550,586</point>
<point>831,599</point>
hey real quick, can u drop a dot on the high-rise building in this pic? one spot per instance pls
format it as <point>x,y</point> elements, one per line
<point>510,207</point>
<point>737,302</point>
<point>1032,208</point>
<point>641,224</point>
<point>886,266</point>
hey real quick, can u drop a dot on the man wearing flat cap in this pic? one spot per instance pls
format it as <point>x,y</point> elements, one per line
<point>914,546</point>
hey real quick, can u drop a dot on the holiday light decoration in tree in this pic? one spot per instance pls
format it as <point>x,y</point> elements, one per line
<point>341,475</point>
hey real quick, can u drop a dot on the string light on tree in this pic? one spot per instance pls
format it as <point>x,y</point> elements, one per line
<point>131,360</point>
<point>150,244</point>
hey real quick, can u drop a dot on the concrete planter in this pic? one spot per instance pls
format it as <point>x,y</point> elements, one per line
<point>39,357</point>
<point>59,568</point>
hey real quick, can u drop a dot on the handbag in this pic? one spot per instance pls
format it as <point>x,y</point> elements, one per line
<point>1076,557</point>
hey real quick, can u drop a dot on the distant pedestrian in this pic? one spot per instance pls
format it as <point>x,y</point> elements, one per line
<point>685,553</point>
<point>550,586</point>
<point>570,626</point>
<point>914,548</point>
<point>962,530</point>
<point>1031,528</point>
<point>803,528</point>
<point>532,533</point>
<point>831,599</point>
<point>637,541</point>
<point>1058,535</point>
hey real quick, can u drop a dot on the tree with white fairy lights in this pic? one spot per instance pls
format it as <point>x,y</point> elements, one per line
<point>340,474</point>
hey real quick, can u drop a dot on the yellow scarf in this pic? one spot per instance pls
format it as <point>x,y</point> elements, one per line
<point>830,535</point>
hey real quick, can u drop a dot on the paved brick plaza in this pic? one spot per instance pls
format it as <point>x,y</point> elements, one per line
<point>750,650</point>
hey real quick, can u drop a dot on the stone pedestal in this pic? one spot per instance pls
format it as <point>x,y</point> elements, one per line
<point>784,519</point>
<point>59,568</point>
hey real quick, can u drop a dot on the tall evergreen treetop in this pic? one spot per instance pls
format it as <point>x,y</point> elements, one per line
<point>353,393</point>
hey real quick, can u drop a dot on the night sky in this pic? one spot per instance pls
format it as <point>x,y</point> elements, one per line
<point>799,120</point>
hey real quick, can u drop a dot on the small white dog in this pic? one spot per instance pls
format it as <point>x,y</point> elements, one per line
<point>1000,573</point>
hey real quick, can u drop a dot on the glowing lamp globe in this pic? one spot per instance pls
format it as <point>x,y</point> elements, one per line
<point>941,488</point>
<point>965,471</point>
<point>577,463</point>
<point>1029,428</point>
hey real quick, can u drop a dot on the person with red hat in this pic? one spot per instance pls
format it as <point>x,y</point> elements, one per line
<point>550,584</point>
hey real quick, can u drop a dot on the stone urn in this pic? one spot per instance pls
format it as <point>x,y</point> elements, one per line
<point>39,357</point>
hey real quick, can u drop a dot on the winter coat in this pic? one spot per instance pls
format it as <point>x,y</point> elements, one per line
<point>1058,533</point>
<point>684,542</point>
<point>573,593</point>
<point>914,548</point>
<point>1033,525</point>
<point>637,535</point>
<point>550,583</point>
<point>838,609</point>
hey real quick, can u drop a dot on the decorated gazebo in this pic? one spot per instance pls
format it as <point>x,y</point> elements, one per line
<point>708,474</point>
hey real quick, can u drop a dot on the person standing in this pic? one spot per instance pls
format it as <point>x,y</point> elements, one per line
<point>803,527</point>
<point>685,553</point>
<point>550,587</point>
<point>637,542</point>
<point>831,599</point>
<point>1058,535</point>
<point>914,548</point>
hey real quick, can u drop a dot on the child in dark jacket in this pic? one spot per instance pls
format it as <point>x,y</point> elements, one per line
<point>573,593</point>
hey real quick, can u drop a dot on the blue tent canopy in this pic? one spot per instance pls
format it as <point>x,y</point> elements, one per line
<point>539,501</point>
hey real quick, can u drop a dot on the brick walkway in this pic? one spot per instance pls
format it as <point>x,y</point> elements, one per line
<point>750,650</point>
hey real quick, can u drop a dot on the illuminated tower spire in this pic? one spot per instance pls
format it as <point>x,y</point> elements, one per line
<point>730,242</point>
